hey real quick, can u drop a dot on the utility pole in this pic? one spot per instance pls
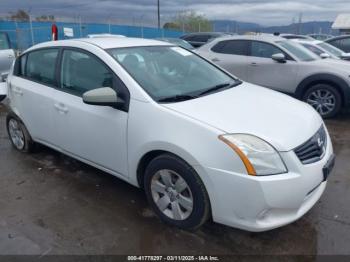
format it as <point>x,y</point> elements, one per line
<point>158,4</point>
<point>31,28</point>
<point>300,23</point>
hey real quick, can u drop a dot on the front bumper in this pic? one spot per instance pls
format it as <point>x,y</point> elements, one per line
<point>263,203</point>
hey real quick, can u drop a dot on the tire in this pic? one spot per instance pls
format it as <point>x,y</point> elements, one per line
<point>177,209</point>
<point>325,99</point>
<point>18,134</point>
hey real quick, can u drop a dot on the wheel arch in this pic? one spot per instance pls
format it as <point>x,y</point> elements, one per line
<point>151,154</point>
<point>335,81</point>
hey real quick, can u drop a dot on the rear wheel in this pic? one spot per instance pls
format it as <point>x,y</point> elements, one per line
<point>18,134</point>
<point>176,193</point>
<point>325,98</point>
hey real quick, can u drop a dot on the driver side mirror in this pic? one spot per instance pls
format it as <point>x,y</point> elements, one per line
<point>104,96</point>
<point>324,55</point>
<point>280,58</point>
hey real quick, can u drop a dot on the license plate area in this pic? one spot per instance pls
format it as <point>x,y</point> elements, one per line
<point>327,169</point>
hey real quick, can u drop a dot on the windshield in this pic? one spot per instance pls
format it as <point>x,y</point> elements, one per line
<point>4,44</point>
<point>298,51</point>
<point>166,72</point>
<point>313,49</point>
<point>331,49</point>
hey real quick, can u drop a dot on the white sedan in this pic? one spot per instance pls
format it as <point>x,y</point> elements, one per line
<point>200,142</point>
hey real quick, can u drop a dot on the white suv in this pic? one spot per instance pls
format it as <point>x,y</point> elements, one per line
<point>199,142</point>
<point>285,66</point>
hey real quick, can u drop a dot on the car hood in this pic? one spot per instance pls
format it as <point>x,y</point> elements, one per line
<point>282,121</point>
<point>338,63</point>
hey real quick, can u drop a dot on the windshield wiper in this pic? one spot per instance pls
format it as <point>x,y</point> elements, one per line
<point>218,87</point>
<point>176,98</point>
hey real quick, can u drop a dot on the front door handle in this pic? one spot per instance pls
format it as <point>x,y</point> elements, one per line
<point>254,64</point>
<point>61,108</point>
<point>215,59</point>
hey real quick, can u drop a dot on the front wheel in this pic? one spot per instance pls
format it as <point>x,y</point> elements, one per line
<point>176,193</point>
<point>325,99</point>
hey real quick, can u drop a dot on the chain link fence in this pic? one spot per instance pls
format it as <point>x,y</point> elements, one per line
<point>24,34</point>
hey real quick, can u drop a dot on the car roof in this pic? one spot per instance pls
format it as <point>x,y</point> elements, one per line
<point>265,38</point>
<point>206,33</point>
<point>306,41</point>
<point>105,42</point>
<point>337,37</point>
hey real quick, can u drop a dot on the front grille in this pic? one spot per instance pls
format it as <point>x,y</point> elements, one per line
<point>314,149</point>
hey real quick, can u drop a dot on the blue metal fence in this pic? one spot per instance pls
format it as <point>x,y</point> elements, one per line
<point>24,34</point>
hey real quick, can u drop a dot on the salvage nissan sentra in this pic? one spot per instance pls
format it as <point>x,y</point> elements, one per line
<point>201,143</point>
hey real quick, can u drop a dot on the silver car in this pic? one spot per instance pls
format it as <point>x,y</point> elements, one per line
<point>323,49</point>
<point>284,66</point>
<point>7,55</point>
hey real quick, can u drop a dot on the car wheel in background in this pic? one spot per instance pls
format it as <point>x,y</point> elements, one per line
<point>325,98</point>
<point>176,193</point>
<point>18,134</point>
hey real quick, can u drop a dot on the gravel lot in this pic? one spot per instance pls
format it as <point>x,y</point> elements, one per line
<point>52,204</point>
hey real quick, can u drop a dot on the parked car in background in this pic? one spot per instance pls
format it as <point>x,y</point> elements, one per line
<point>321,37</point>
<point>7,55</point>
<point>177,41</point>
<point>323,49</point>
<point>285,66</point>
<point>104,36</point>
<point>341,42</point>
<point>199,39</point>
<point>195,138</point>
<point>292,36</point>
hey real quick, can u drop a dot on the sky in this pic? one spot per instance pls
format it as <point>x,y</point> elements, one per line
<point>264,12</point>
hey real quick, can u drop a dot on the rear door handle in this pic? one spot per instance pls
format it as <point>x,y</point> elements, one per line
<point>215,59</point>
<point>254,64</point>
<point>61,108</point>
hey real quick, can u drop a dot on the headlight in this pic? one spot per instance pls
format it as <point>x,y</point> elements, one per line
<point>258,156</point>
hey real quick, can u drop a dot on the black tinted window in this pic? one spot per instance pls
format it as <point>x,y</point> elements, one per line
<point>264,50</point>
<point>41,66</point>
<point>82,72</point>
<point>343,44</point>
<point>198,38</point>
<point>232,47</point>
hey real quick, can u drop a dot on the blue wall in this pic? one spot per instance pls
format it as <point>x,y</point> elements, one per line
<point>20,33</point>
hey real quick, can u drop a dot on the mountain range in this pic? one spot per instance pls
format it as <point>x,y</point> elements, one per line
<point>314,27</point>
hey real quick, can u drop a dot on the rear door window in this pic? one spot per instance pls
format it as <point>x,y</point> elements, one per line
<point>41,66</point>
<point>232,47</point>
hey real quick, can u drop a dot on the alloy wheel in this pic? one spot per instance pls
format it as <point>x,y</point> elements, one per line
<point>16,134</point>
<point>322,100</point>
<point>172,195</point>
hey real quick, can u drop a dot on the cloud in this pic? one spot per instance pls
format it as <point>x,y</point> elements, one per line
<point>268,12</point>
